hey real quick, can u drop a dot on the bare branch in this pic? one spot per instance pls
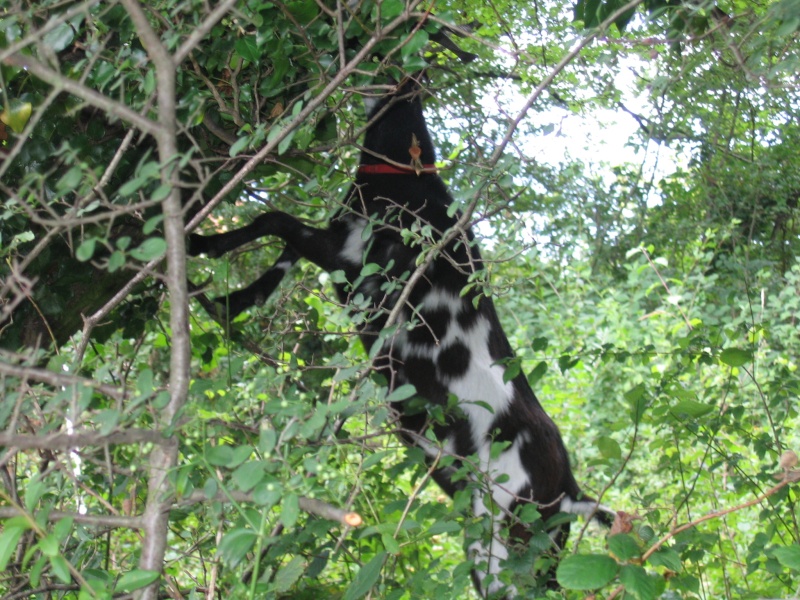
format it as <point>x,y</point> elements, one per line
<point>7,512</point>
<point>545,83</point>
<point>310,505</point>
<point>96,99</point>
<point>68,441</point>
<point>57,379</point>
<point>202,30</point>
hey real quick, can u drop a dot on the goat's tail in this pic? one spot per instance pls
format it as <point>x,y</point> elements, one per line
<point>589,508</point>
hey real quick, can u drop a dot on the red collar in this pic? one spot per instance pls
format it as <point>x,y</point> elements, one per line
<point>387,169</point>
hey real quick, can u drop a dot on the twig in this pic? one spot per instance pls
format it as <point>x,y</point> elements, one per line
<point>310,505</point>
<point>57,379</point>
<point>96,99</point>
<point>69,441</point>
<point>789,477</point>
<point>8,512</point>
<point>545,83</point>
<point>202,30</point>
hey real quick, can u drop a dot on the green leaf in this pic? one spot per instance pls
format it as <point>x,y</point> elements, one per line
<point>376,457</point>
<point>566,362</point>
<point>62,528</point>
<point>150,249</point>
<point>537,373</point>
<point>36,570</point>
<point>366,577</point>
<point>624,547</point>
<point>586,571</point>
<point>691,408</point>
<point>415,44</point>
<point>12,531</point>
<point>247,48</point>
<point>735,357</point>
<point>637,401</point>
<point>131,186</point>
<point>235,545</point>
<point>540,344</point>
<point>59,37</point>
<point>666,557</point>
<point>85,251</point>
<point>391,545</point>
<point>788,556</point>
<point>49,545</point>
<point>16,116</point>
<point>513,368</point>
<point>248,475</point>
<point>609,447</point>
<point>35,490</point>
<point>219,456</point>
<point>136,579</point>
<point>116,261</point>
<point>152,224</point>
<point>288,574</point>
<point>239,145</point>
<point>284,144</point>
<point>403,392</point>
<point>60,568</point>
<point>637,582</point>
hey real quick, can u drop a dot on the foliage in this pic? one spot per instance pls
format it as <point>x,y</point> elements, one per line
<point>654,311</point>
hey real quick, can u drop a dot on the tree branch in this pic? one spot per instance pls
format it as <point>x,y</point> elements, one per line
<point>58,379</point>
<point>789,477</point>
<point>545,83</point>
<point>164,457</point>
<point>7,512</point>
<point>310,505</point>
<point>96,99</point>
<point>68,441</point>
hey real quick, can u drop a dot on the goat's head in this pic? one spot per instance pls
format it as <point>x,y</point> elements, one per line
<point>396,126</point>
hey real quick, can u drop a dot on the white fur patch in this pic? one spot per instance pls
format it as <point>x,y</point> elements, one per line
<point>441,298</point>
<point>508,463</point>
<point>353,249</point>
<point>483,381</point>
<point>488,559</point>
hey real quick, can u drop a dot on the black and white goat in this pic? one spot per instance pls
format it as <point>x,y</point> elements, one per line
<point>447,344</point>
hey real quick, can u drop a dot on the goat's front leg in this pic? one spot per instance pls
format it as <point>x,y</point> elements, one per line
<point>320,246</point>
<point>261,289</point>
